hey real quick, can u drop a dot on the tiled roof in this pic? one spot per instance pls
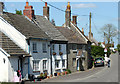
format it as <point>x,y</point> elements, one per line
<point>50,30</point>
<point>82,36</point>
<point>24,26</point>
<point>70,35</point>
<point>10,47</point>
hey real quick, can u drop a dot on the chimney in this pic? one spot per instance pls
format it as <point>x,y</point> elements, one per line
<point>74,18</point>
<point>46,10</point>
<point>68,15</point>
<point>28,11</point>
<point>1,8</point>
<point>82,31</point>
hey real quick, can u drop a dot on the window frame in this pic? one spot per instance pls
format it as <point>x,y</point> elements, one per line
<point>63,62</point>
<point>53,47</point>
<point>44,47</point>
<point>60,47</point>
<point>45,67</point>
<point>57,63</point>
<point>34,47</point>
<point>36,66</point>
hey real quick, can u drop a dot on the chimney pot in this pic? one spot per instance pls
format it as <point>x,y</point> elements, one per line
<point>46,11</point>
<point>28,11</point>
<point>74,20</point>
<point>27,3</point>
<point>1,8</point>
<point>68,16</point>
<point>82,31</point>
<point>45,3</point>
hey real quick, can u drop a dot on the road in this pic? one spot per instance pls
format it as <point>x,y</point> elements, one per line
<point>99,74</point>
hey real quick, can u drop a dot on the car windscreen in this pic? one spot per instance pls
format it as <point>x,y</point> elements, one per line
<point>98,59</point>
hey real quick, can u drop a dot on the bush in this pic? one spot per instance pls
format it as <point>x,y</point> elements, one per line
<point>68,71</point>
<point>45,74</point>
<point>118,47</point>
<point>97,51</point>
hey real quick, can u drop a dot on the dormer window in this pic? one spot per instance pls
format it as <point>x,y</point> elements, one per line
<point>34,47</point>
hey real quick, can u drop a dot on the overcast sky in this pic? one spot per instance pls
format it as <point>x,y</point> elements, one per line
<point>102,13</point>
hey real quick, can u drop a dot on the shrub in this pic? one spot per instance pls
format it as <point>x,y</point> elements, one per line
<point>45,74</point>
<point>63,73</point>
<point>118,47</point>
<point>68,71</point>
<point>97,51</point>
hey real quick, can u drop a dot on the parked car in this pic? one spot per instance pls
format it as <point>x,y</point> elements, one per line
<point>99,62</point>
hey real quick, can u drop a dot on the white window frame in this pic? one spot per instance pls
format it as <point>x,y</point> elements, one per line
<point>60,47</point>
<point>34,47</point>
<point>63,62</point>
<point>53,47</point>
<point>44,64</point>
<point>44,47</point>
<point>57,63</point>
<point>36,65</point>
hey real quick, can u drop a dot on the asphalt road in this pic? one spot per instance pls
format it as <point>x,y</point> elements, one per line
<point>99,74</point>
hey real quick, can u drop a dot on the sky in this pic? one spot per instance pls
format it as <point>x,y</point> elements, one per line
<point>102,13</point>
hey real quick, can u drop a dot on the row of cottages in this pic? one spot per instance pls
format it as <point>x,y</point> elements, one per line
<point>57,45</point>
<point>33,45</point>
<point>79,46</point>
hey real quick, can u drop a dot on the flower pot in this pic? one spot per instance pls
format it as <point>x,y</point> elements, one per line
<point>60,53</point>
<point>51,75</point>
<point>63,73</point>
<point>54,53</point>
<point>58,74</point>
<point>48,77</point>
<point>66,72</point>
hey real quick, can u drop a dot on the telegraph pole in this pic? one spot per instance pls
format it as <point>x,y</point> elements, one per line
<point>90,27</point>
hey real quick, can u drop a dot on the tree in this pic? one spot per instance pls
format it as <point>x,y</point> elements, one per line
<point>118,47</point>
<point>97,51</point>
<point>18,12</point>
<point>109,31</point>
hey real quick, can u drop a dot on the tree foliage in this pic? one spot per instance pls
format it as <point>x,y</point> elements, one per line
<point>19,12</point>
<point>118,47</point>
<point>109,31</point>
<point>97,51</point>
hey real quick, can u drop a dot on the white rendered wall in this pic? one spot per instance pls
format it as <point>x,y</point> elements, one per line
<point>40,56</point>
<point>6,72</point>
<point>13,34</point>
<point>58,57</point>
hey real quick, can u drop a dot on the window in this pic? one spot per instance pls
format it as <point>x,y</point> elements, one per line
<point>53,47</point>
<point>63,63</point>
<point>34,47</point>
<point>44,48</point>
<point>35,65</point>
<point>74,61</point>
<point>44,64</point>
<point>57,62</point>
<point>74,46</point>
<point>59,48</point>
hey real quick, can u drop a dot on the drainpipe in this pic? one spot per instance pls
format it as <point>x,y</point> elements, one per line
<point>28,41</point>
<point>67,53</point>
<point>51,57</point>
